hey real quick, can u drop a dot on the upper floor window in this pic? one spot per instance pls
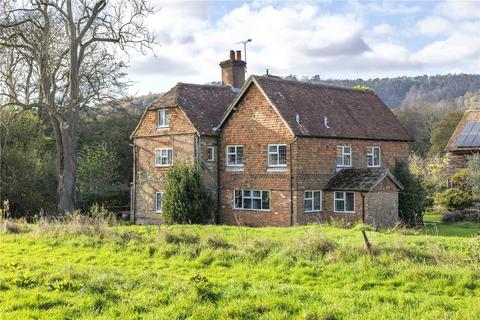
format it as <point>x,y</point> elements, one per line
<point>277,155</point>
<point>162,118</point>
<point>344,202</point>
<point>344,156</point>
<point>158,202</point>
<point>163,157</point>
<point>251,200</point>
<point>312,201</point>
<point>210,153</point>
<point>373,157</point>
<point>235,155</point>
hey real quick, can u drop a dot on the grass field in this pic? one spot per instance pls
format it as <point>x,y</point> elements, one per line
<point>219,272</point>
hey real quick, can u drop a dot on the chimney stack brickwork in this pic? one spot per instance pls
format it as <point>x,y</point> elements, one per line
<point>233,70</point>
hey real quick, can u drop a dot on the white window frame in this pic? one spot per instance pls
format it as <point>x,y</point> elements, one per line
<point>312,199</point>
<point>236,164</point>
<point>371,153</point>
<point>157,209</point>
<point>210,159</point>
<point>161,157</point>
<point>252,198</point>
<point>166,120</point>
<point>342,164</point>
<point>277,152</point>
<point>344,199</point>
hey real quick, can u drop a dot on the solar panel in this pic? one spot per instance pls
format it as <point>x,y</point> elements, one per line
<point>470,136</point>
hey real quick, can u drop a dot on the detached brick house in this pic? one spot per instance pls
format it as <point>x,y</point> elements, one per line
<point>273,152</point>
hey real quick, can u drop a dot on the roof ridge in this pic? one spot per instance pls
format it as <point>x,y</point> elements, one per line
<point>201,85</point>
<point>315,84</point>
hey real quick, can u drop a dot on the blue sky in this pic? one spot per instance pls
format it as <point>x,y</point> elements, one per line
<point>334,39</point>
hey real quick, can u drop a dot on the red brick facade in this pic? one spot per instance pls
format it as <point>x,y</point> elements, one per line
<point>311,163</point>
<point>254,123</point>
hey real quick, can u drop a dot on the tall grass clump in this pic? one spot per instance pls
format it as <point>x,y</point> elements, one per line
<point>96,222</point>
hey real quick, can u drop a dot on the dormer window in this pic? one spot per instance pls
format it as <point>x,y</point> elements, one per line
<point>344,156</point>
<point>373,157</point>
<point>162,119</point>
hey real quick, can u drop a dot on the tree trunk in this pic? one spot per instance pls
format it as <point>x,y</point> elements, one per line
<point>67,171</point>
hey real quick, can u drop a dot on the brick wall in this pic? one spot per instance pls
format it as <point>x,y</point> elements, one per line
<point>181,136</point>
<point>179,124</point>
<point>313,163</point>
<point>255,125</point>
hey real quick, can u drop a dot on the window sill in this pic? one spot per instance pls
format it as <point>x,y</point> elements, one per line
<point>234,168</point>
<point>343,212</point>
<point>277,169</point>
<point>163,165</point>
<point>162,128</point>
<point>252,210</point>
<point>316,211</point>
<point>373,167</point>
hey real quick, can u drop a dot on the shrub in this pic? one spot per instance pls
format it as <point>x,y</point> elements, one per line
<point>473,179</point>
<point>453,199</point>
<point>412,201</point>
<point>185,200</point>
<point>460,179</point>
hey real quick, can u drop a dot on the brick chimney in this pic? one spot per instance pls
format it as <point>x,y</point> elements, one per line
<point>233,70</point>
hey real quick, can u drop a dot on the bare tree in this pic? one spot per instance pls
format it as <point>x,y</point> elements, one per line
<point>61,56</point>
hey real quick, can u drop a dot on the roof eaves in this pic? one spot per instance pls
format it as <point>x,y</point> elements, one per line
<point>273,105</point>
<point>234,103</point>
<point>388,174</point>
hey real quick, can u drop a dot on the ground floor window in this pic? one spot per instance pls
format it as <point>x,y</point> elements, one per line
<point>312,201</point>
<point>344,201</point>
<point>251,200</point>
<point>158,202</point>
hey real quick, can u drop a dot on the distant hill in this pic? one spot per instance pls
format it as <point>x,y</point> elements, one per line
<point>403,91</point>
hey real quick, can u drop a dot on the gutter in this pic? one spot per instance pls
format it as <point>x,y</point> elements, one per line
<point>134,183</point>
<point>291,180</point>
<point>363,206</point>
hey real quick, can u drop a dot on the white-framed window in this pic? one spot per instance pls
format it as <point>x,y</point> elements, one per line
<point>162,118</point>
<point>312,201</point>
<point>210,153</point>
<point>158,202</point>
<point>257,200</point>
<point>373,157</point>
<point>277,155</point>
<point>163,157</point>
<point>235,156</point>
<point>344,156</point>
<point>344,201</point>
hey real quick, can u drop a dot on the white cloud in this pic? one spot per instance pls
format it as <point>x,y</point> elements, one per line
<point>432,26</point>
<point>456,9</point>
<point>383,29</point>
<point>302,39</point>
<point>456,49</point>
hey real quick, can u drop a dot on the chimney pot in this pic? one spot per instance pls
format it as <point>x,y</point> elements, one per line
<point>233,70</point>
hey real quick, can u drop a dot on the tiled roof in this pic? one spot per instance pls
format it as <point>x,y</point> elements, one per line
<point>359,180</point>
<point>470,116</point>
<point>204,105</point>
<point>326,111</point>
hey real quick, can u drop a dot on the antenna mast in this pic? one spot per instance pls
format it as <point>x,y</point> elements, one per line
<point>245,49</point>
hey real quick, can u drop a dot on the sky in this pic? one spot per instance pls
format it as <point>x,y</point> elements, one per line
<point>332,39</point>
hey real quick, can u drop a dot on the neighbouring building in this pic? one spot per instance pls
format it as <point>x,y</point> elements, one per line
<point>464,141</point>
<point>273,152</point>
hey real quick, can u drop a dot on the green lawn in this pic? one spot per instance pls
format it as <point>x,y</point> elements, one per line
<point>435,226</point>
<point>219,272</point>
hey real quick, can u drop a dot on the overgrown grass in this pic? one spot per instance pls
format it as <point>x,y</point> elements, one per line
<point>216,272</point>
